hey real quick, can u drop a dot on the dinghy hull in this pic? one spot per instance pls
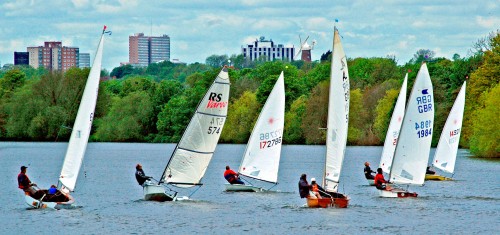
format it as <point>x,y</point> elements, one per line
<point>396,193</point>
<point>242,188</point>
<point>371,182</point>
<point>437,177</point>
<point>332,199</point>
<point>154,192</point>
<point>46,202</point>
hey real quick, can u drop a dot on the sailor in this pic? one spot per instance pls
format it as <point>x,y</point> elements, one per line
<point>380,181</point>
<point>428,171</point>
<point>24,182</point>
<point>140,176</point>
<point>315,188</point>
<point>368,171</point>
<point>232,177</point>
<point>304,187</point>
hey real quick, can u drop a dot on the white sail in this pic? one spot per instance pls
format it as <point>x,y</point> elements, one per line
<point>83,123</point>
<point>446,151</point>
<point>392,135</point>
<point>192,155</point>
<point>414,142</point>
<point>338,115</point>
<point>262,155</point>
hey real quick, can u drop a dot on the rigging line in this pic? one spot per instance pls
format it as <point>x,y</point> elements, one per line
<point>272,186</point>
<point>243,178</point>
<point>194,191</point>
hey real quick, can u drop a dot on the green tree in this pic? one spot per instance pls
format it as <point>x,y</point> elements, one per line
<point>486,128</point>
<point>315,117</point>
<point>356,121</point>
<point>384,110</point>
<point>241,118</point>
<point>293,121</point>
<point>128,119</point>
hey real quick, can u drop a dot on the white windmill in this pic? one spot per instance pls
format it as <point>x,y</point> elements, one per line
<point>305,48</point>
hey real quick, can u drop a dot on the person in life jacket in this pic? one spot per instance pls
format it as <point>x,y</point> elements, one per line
<point>140,176</point>
<point>24,182</point>
<point>368,171</point>
<point>304,187</point>
<point>232,177</point>
<point>380,182</point>
<point>315,188</point>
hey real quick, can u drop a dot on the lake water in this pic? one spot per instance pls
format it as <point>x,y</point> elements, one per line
<point>111,202</point>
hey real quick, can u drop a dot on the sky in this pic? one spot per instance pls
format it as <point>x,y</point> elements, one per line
<point>201,28</point>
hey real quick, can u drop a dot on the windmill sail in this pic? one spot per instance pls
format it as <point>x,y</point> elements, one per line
<point>194,151</point>
<point>83,123</point>
<point>446,151</point>
<point>262,155</point>
<point>338,116</point>
<point>414,143</point>
<point>392,135</point>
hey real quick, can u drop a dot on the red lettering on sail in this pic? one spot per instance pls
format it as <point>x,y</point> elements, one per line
<point>213,104</point>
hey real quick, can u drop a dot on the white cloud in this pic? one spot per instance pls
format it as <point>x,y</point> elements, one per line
<point>80,3</point>
<point>488,22</point>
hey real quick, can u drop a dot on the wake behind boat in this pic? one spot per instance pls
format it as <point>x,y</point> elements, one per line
<point>262,154</point>
<point>61,198</point>
<point>337,124</point>
<point>413,145</point>
<point>193,153</point>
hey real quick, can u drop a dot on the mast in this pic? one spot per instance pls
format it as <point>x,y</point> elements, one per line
<point>338,115</point>
<point>189,161</point>
<point>83,123</point>
<point>262,154</point>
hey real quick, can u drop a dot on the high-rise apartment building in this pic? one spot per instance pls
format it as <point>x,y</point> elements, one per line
<point>144,50</point>
<point>53,56</point>
<point>267,49</point>
<point>84,60</point>
<point>21,58</point>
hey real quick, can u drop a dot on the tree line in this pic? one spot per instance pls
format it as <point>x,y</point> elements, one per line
<point>155,103</point>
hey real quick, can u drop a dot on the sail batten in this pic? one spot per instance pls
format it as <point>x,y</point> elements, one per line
<point>262,154</point>
<point>446,150</point>
<point>338,115</point>
<point>414,142</point>
<point>83,124</point>
<point>190,159</point>
<point>392,135</point>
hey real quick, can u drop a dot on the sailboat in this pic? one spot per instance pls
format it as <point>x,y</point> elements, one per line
<point>77,143</point>
<point>446,151</point>
<point>414,142</point>
<point>262,155</point>
<point>392,135</point>
<point>336,137</point>
<point>193,153</point>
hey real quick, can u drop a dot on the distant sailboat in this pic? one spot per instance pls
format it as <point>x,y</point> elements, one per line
<point>414,142</point>
<point>336,139</point>
<point>77,143</point>
<point>193,153</point>
<point>262,155</point>
<point>392,135</point>
<point>446,151</point>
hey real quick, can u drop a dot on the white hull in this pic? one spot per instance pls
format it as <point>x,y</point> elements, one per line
<point>371,182</point>
<point>242,188</point>
<point>37,204</point>
<point>154,192</point>
<point>396,193</point>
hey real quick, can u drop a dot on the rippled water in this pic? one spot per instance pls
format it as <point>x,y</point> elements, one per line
<point>111,201</point>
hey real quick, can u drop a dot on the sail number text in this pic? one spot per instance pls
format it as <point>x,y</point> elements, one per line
<point>270,139</point>
<point>215,125</point>
<point>424,103</point>
<point>423,128</point>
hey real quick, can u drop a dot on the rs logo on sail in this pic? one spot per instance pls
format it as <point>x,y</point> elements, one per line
<point>214,101</point>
